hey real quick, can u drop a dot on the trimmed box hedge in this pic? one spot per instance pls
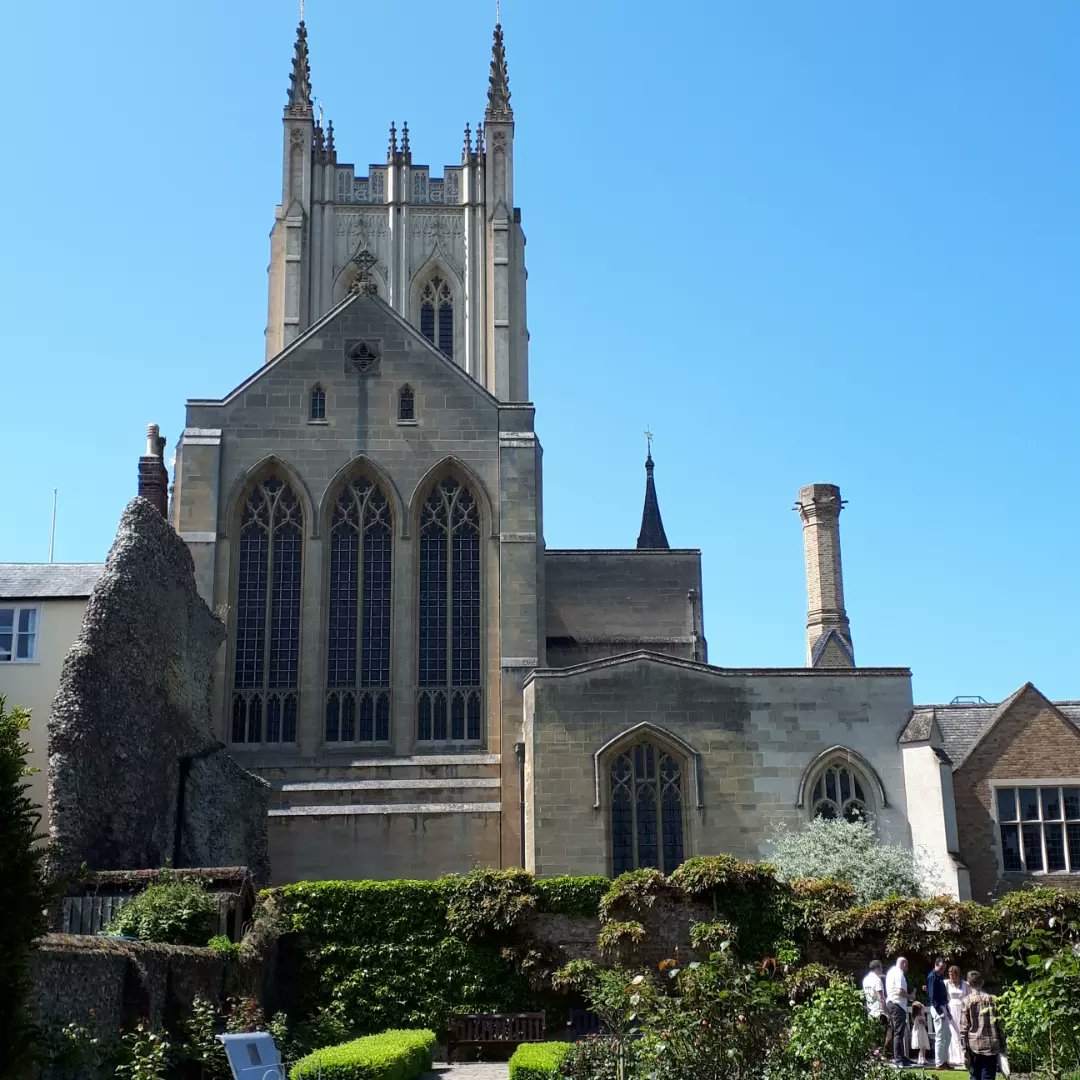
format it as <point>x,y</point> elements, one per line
<point>539,1061</point>
<point>393,1055</point>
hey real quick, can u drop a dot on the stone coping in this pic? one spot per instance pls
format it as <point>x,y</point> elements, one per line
<point>391,785</point>
<point>414,809</point>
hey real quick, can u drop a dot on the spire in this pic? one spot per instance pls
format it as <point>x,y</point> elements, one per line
<point>652,533</point>
<point>330,137</point>
<point>299,103</point>
<point>391,150</point>
<point>498,107</point>
<point>405,148</point>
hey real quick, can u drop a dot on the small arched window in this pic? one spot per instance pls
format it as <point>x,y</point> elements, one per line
<point>840,793</point>
<point>646,810</point>
<point>449,698</point>
<point>358,632</point>
<point>406,404</point>
<point>266,686</point>
<point>317,404</point>
<point>437,315</point>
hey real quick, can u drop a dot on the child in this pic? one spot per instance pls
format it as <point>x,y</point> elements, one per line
<point>920,1038</point>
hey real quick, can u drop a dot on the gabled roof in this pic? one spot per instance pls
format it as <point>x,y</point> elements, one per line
<point>48,581</point>
<point>316,327</point>
<point>963,727</point>
<point>822,643</point>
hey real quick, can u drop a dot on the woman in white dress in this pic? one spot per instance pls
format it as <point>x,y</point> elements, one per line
<point>957,989</point>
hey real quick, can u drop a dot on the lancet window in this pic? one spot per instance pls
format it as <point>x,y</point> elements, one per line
<point>317,404</point>
<point>646,809</point>
<point>358,637</point>
<point>840,792</point>
<point>406,403</point>
<point>437,315</point>
<point>449,701</point>
<point>266,685</point>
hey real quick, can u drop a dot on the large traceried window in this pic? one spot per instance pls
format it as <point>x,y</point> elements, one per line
<point>266,680</point>
<point>437,315</point>
<point>1040,828</point>
<point>449,704</point>
<point>358,642</point>
<point>646,810</point>
<point>840,792</point>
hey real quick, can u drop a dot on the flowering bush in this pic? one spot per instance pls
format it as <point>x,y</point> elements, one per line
<point>831,1034</point>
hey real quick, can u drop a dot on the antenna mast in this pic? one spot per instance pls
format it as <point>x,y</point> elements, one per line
<point>52,530</point>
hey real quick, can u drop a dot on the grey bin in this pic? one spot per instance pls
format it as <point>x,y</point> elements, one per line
<point>253,1056</point>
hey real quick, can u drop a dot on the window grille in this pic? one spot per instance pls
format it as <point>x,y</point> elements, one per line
<point>406,404</point>
<point>358,639</point>
<point>840,793</point>
<point>317,409</point>
<point>450,696</point>
<point>1040,829</point>
<point>266,687</point>
<point>437,314</point>
<point>646,810</point>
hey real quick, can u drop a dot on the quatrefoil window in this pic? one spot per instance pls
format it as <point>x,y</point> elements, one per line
<point>363,357</point>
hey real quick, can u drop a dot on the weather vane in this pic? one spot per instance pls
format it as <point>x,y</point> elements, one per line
<point>648,439</point>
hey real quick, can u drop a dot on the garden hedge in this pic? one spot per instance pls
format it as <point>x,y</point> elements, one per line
<point>393,1055</point>
<point>539,1061</point>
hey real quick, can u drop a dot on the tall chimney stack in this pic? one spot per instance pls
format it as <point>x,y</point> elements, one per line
<point>828,634</point>
<point>153,476</point>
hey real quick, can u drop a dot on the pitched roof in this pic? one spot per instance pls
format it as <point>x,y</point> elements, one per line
<point>963,726</point>
<point>40,581</point>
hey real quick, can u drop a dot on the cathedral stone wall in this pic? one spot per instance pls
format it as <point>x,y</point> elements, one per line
<point>602,603</point>
<point>756,733</point>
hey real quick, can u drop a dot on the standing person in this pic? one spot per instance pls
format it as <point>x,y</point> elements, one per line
<point>873,988</point>
<point>980,1030</point>
<point>957,989</point>
<point>938,1000</point>
<point>897,1000</point>
<point>920,1037</point>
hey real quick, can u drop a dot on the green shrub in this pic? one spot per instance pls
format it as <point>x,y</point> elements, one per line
<point>831,1034</point>
<point>393,1055</point>
<point>22,896</point>
<point>539,1061</point>
<point>490,901</point>
<point>226,949</point>
<point>575,896</point>
<point>614,936</point>
<point>174,912</point>
<point>634,891</point>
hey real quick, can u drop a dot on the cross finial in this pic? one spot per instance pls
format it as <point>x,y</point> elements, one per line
<point>648,440</point>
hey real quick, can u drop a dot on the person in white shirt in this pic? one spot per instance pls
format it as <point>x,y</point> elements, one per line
<point>873,987</point>
<point>897,999</point>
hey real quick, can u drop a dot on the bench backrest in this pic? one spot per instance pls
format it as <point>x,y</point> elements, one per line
<point>499,1027</point>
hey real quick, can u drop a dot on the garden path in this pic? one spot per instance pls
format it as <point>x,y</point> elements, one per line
<point>471,1070</point>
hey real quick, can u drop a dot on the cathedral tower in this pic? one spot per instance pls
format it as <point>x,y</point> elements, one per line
<point>445,252</point>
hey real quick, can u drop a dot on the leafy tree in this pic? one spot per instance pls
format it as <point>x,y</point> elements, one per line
<point>850,852</point>
<point>23,896</point>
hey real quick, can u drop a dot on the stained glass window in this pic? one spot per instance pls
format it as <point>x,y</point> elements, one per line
<point>839,792</point>
<point>266,677</point>
<point>437,315</point>
<point>406,404</point>
<point>450,696</point>
<point>646,810</point>
<point>317,408</point>
<point>358,638</point>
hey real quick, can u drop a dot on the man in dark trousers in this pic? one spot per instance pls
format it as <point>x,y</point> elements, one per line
<point>938,996</point>
<point>980,1030</point>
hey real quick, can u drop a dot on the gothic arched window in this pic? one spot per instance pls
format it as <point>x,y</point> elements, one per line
<point>266,687</point>
<point>646,810</point>
<point>437,315</point>
<point>358,641</point>
<point>317,404</point>
<point>449,699</point>
<point>840,792</point>
<point>406,403</point>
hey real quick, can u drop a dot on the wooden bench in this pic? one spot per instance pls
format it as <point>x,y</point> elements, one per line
<point>495,1029</point>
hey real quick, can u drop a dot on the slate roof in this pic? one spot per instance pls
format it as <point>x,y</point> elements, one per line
<point>961,726</point>
<point>44,581</point>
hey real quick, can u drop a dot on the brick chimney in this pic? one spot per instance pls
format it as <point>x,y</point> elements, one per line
<point>153,476</point>
<point>828,634</point>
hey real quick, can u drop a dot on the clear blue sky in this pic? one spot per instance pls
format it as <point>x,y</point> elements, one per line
<point>831,242</point>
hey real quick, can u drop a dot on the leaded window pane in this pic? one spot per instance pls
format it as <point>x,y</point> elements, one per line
<point>839,793</point>
<point>317,409</point>
<point>1073,833</point>
<point>1072,804</point>
<point>358,638</point>
<point>267,621</point>
<point>1010,847</point>
<point>446,330</point>
<point>1006,801</point>
<point>407,404</point>
<point>646,810</point>
<point>1051,803</point>
<point>1055,848</point>
<point>427,320</point>
<point>1032,838</point>
<point>449,616</point>
<point>1029,804</point>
